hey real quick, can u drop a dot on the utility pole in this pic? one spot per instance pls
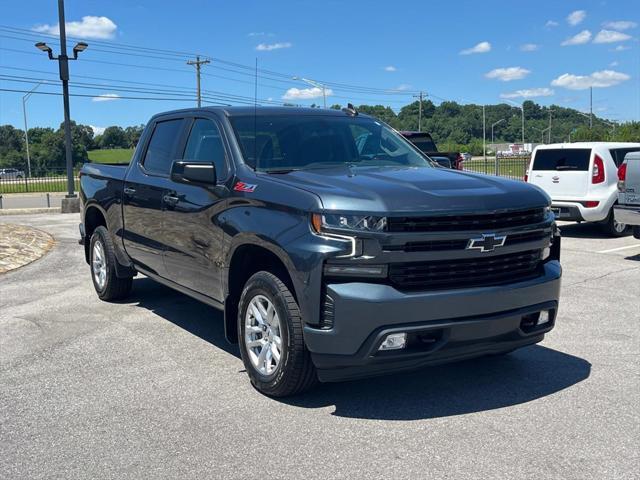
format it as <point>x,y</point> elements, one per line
<point>549,125</point>
<point>419,111</point>
<point>590,108</point>
<point>484,138</point>
<point>197,62</point>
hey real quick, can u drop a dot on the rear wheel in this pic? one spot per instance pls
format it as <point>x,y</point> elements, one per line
<point>271,343</point>
<point>613,227</point>
<point>102,260</point>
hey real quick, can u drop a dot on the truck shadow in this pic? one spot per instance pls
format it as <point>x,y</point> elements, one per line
<point>466,387</point>
<point>582,230</point>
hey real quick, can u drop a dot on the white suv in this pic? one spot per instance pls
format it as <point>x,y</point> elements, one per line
<point>581,179</point>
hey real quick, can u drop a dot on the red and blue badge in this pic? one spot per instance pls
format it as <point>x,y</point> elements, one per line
<point>245,187</point>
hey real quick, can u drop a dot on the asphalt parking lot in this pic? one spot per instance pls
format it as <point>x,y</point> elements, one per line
<point>149,388</point>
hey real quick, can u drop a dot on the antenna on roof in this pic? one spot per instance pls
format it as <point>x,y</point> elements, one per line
<point>350,110</point>
<point>255,118</point>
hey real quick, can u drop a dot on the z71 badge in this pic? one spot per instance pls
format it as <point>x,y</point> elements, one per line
<point>244,187</point>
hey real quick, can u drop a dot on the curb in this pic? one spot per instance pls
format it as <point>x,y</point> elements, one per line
<point>27,211</point>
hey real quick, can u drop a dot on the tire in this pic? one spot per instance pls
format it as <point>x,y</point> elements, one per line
<point>102,261</point>
<point>613,228</point>
<point>293,372</point>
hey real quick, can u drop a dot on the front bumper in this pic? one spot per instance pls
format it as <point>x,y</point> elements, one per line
<point>453,324</point>
<point>627,214</point>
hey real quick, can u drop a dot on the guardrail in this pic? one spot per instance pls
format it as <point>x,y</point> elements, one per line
<point>509,167</point>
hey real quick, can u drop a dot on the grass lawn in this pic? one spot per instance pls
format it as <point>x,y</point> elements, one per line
<point>31,185</point>
<point>111,155</point>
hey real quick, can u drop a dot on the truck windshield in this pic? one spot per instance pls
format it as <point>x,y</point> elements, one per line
<point>300,142</point>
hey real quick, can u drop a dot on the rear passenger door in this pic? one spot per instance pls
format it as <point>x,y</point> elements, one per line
<point>193,257</point>
<point>145,188</point>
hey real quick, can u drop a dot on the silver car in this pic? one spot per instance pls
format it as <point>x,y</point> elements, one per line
<point>627,210</point>
<point>11,174</point>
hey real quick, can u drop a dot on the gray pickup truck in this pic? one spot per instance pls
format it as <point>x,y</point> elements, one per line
<point>335,248</point>
<point>628,208</point>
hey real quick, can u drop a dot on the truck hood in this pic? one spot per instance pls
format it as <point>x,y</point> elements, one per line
<point>413,190</point>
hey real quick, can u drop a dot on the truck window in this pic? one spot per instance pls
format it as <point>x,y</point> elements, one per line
<point>205,145</point>
<point>618,154</point>
<point>562,159</point>
<point>160,152</point>
<point>424,144</point>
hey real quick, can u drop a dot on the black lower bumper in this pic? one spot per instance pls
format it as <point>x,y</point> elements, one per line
<point>433,343</point>
<point>441,326</point>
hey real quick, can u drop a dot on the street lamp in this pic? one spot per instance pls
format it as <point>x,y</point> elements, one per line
<point>25,97</point>
<point>521,107</point>
<point>495,150</point>
<point>63,67</point>
<point>313,83</point>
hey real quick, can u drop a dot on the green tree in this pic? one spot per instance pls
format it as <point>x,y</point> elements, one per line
<point>114,137</point>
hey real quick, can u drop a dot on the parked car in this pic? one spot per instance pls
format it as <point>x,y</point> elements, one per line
<point>581,179</point>
<point>466,156</point>
<point>627,211</point>
<point>11,174</point>
<point>424,142</point>
<point>333,256</point>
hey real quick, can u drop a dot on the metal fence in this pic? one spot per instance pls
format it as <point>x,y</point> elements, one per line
<point>49,181</point>
<point>509,167</point>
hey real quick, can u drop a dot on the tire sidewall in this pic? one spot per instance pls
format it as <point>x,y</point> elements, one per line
<point>262,284</point>
<point>99,237</point>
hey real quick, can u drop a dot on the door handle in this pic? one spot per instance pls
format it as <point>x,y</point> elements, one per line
<point>129,191</point>
<point>170,199</point>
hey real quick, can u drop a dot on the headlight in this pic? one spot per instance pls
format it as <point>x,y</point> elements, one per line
<point>361,223</point>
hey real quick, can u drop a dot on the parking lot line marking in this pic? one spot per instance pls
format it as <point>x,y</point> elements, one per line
<point>619,248</point>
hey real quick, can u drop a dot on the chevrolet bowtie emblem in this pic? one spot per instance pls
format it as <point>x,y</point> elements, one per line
<point>487,243</point>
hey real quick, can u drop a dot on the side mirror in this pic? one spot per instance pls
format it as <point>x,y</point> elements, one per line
<point>194,173</point>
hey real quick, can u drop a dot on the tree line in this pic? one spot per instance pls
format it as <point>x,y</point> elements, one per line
<point>454,127</point>
<point>46,145</point>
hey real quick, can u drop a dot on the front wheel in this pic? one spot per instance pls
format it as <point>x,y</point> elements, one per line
<point>271,343</point>
<point>614,228</point>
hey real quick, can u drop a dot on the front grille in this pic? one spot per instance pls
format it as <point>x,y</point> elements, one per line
<point>452,223</point>
<point>443,245</point>
<point>475,272</point>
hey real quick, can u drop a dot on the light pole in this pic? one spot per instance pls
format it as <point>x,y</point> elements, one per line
<point>544,130</point>
<point>25,97</point>
<point>313,83</point>
<point>63,67</point>
<point>493,145</point>
<point>521,107</point>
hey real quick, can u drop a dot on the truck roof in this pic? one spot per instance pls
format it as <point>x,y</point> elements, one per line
<point>263,111</point>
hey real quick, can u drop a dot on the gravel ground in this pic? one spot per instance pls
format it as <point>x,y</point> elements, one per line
<point>149,388</point>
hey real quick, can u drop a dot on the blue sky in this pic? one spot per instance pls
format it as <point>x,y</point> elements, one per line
<point>365,51</point>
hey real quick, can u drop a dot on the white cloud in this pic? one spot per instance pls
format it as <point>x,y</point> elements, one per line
<point>529,93</point>
<point>305,93</point>
<point>529,47</point>
<point>106,97</point>
<point>88,27</point>
<point>576,17</point>
<point>579,39</point>
<point>267,47</point>
<point>609,36</point>
<point>508,74</point>
<point>614,64</point>
<point>601,79</point>
<point>260,34</point>
<point>390,68</point>
<point>97,130</point>
<point>402,87</point>
<point>551,24</point>
<point>620,25</point>
<point>482,47</point>
<point>621,48</point>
